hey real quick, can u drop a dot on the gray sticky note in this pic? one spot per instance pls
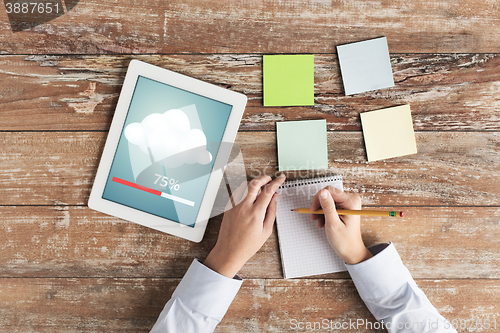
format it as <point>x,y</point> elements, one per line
<point>365,66</point>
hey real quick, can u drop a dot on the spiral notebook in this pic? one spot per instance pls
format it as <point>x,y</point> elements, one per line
<point>304,247</point>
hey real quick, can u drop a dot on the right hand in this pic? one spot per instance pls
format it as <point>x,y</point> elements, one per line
<point>343,232</point>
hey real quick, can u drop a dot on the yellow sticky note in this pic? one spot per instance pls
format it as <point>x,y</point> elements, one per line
<point>388,133</point>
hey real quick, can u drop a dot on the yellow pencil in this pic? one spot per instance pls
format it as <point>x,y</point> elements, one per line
<point>352,212</point>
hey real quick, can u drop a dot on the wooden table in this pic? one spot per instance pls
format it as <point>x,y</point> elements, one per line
<point>66,268</point>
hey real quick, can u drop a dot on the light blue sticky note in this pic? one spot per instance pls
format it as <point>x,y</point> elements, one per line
<point>302,145</point>
<point>365,66</point>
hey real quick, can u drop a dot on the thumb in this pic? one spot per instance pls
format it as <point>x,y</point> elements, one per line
<point>326,202</point>
<point>328,206</point>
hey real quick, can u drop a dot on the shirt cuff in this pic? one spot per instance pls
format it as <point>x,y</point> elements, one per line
<point>207,291</point>
<point>386,266</point>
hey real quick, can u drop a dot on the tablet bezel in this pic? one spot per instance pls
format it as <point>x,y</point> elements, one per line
<point>138,68</point>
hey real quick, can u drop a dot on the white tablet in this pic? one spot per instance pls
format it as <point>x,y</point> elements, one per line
<point>162,163</point>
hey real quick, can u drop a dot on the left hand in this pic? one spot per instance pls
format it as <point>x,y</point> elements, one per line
<point>246,227</point>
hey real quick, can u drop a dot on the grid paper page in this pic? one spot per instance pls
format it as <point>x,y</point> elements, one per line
<point>304,247</point>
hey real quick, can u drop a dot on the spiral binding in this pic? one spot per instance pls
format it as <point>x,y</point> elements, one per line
<point>309,181</point>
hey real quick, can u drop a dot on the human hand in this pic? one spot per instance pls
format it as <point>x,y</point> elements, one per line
<point>343,232</point>
<point>247,226</point>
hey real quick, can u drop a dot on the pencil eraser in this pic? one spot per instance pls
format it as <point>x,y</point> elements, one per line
<point>401,214</point>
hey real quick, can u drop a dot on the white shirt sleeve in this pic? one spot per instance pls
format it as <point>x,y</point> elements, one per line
<point>199,302</point>
<point>392,296</point>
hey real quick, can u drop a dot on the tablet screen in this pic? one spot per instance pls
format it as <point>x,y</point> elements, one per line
<point>166,151</point>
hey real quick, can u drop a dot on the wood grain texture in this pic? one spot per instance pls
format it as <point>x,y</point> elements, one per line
<point>451,168</point>
<point>68,242</point>
<point>448,92</point>
<point>250,26</point>
<point>132,305</point>
<point>66,268</point>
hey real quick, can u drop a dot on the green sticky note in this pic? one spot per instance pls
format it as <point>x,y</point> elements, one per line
<point>302,145</point>
<point>288,80</point>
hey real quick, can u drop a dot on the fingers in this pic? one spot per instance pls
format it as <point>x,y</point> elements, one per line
<point>264,198</point>
<point>331,218</point>
<point>344,200</point>
<point>271,214</point>
<point>347,201</point>
<point>326,202</point>
<point>255,185</point>
<point>315,205</point>
<point>240,193</point>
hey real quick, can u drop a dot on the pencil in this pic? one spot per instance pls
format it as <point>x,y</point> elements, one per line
<point>352,212</point>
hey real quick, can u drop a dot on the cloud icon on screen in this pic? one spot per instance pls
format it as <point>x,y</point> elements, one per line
<point>168,137</point>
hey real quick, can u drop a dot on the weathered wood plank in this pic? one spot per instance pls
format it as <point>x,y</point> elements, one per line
<point>259,27</point>
<point>446,92</point>
<point>311,301</point>
<point>451,168</point>
<point>455,168</point>
<point>69,269</point>
<point>76,241</point>
<point>132,305</point>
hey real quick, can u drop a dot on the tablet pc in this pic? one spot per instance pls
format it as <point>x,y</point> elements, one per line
<point>162,163</point>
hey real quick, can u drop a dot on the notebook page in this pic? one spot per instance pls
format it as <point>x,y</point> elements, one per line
<point>304,247</point>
